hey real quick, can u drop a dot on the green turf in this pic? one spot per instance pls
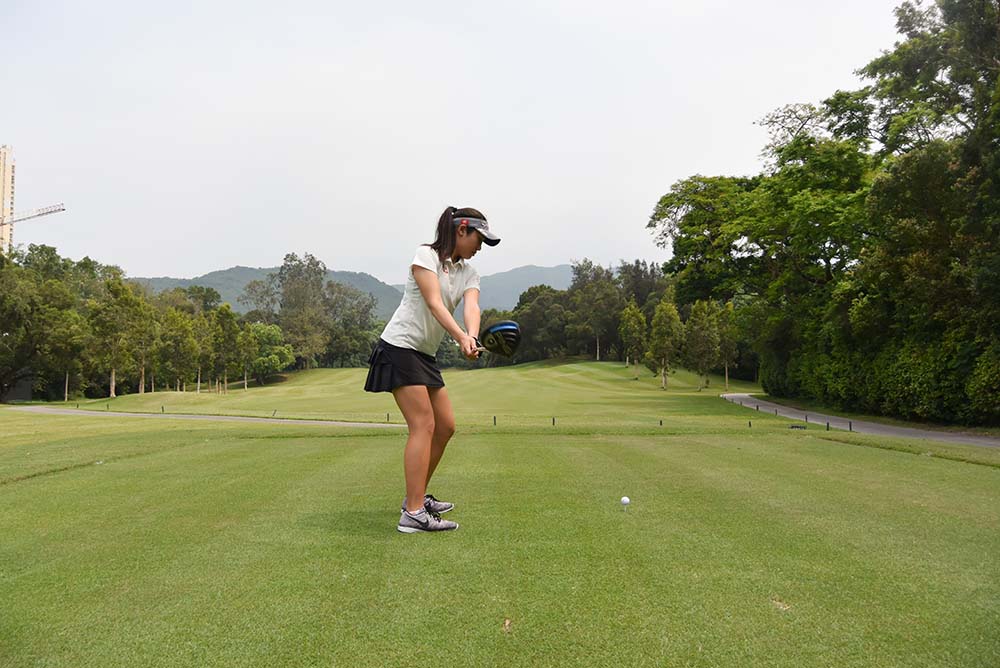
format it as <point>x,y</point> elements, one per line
<point>130,542</point>
<point>590,394</point>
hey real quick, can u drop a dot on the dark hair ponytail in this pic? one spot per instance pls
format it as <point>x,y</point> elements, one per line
<point>444,242</point>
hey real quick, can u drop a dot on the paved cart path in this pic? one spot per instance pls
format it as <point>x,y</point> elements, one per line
<point>860,426</point>
<point>222,418</point>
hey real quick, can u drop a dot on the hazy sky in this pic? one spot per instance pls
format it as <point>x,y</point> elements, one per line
<point>185,137</point>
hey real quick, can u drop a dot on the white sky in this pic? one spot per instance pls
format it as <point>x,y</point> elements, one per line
<point>194,135</point>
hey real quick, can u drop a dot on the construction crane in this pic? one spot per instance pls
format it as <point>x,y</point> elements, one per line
<point>7,224</point>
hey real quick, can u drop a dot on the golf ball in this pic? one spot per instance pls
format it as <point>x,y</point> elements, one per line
<point>626,500</point>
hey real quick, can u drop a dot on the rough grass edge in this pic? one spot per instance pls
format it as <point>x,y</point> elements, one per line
<point>933,451</point>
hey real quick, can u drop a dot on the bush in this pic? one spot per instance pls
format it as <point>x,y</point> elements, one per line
<point>983,388</point>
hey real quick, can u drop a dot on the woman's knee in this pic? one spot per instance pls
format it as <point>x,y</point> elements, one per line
<point>444,428</point>
<point>423,424</point>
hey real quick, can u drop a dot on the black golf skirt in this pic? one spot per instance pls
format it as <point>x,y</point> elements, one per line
<point>390,367</point>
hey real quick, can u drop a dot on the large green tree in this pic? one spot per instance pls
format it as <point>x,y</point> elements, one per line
<point>543,313</point>
<point>349,315</point>
<point>22,333</point>
<point>263,297</point>
<point>301,310</point>
<point>204,298</point>
<point>596,304</point>
<point>701,339</point>
<point>112,319</point>
<point>666,338</point>
<point>67,337</point>
<point>265,352</point>
<point>700,221</point>
<point>205,330</point>
<point>145,335</point>
<point>728,339</point>
<point>632,331</point>
<point>178,351</point>
<point>639,281</point>
<point>225,345</point>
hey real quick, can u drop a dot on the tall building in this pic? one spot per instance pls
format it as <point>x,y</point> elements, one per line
<point>6,196</point>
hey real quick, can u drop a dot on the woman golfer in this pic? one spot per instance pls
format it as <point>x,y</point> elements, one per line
<point>403,361</point>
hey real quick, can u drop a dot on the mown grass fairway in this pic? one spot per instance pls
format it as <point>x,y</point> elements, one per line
<point>128,542</point>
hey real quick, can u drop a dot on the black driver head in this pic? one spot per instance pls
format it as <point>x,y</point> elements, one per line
<point>502,338</point>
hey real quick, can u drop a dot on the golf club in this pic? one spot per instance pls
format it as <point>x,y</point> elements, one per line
<point>501,338</point>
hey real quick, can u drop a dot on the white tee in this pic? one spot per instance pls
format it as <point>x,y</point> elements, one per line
<point>412,325</point>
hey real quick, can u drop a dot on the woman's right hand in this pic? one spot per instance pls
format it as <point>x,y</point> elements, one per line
<point>469,347</point>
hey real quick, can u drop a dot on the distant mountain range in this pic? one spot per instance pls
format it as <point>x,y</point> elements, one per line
<point>499,291</point>
<point>229,283</point>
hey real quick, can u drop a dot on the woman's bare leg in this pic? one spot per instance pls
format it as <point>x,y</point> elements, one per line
<point>415,403</point>
<point>444,427</point>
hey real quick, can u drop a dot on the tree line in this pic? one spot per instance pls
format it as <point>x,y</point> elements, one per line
<point>860,268</point>
<point>866,255</point>
<point>626,314</point>
<point>81,329</point>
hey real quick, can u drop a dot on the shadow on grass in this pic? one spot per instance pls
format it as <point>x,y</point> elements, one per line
<point>276,379</point>
<point>373,523</point>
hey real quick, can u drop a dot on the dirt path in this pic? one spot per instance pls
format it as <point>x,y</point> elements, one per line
<point>50,410</point>
<point>860,426</point>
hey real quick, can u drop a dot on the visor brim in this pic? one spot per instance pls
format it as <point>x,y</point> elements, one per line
<point>480,226</point>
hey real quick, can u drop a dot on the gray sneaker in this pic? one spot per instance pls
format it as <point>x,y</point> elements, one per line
<point>432,504</point>
<point>423,521</point>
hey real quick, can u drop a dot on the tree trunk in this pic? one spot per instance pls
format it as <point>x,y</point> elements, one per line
<point>727,377</point>
<point>199,380</point>
<point>626,361</point>
<point>225,382</point>
<point>598,348</point>
<point>244,379</point>
<point>66,388</point>
<point>112,395</point>
<point>152,381</point>
<point>142,377</point>
<point>663,378</point>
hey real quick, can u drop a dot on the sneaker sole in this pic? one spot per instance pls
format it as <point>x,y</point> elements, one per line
<point>416,530</point>
<point>409,530</point>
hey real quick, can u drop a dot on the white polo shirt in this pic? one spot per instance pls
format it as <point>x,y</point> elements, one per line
<point>412,325</point>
